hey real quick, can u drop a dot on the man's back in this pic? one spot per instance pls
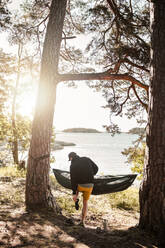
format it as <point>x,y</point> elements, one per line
<point>82,170</point>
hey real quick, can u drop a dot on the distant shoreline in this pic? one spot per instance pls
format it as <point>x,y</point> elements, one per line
<point>88,131</point>
<point>81,130</point>
<point>136,131</point>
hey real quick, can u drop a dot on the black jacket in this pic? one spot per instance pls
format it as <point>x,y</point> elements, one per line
<point>82,170</point>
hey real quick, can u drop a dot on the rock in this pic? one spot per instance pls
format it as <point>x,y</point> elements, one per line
<point>58,145</point>
<point>99,230</point>
<point>62,143</point>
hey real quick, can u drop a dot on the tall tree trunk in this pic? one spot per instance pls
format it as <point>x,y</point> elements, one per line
<point>13,115</point>
<point>152,191</point>
<point>38,192</point>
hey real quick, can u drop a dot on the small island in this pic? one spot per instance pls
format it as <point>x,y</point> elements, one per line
<point>81,130</point>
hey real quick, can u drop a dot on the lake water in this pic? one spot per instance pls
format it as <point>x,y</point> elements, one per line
<point>102,148</point>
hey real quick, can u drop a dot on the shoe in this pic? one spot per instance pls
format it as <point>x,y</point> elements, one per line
<point>77,205</point>
<point>82,224</point>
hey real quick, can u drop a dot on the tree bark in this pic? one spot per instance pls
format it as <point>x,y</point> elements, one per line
<point>38,193</point>
<point>13,115</point>
<point>152,191</point>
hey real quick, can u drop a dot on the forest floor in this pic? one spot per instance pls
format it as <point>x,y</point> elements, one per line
<point>107,228</point>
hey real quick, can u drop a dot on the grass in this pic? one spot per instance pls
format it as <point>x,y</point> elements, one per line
<point>127,200</point>
<point>12,171</point>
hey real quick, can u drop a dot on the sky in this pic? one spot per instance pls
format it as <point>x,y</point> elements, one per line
<point>77,107</point>
<point>82,107</point>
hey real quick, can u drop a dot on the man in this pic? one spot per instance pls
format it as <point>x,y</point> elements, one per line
<point>82,171</point>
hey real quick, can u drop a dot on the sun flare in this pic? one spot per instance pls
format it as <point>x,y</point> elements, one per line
<point>27,105</point>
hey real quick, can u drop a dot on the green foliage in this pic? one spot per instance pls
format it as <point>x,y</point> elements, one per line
<point>135,157</point>
<point>7,69</point>
<point>5,14</point>
<point>128,199</point>
<point>5,156</point>
<point>23,130</point>
<point>113,129</point>
<point>5,127</point>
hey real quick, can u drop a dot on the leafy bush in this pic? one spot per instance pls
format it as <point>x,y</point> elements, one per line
<point>135,157</point>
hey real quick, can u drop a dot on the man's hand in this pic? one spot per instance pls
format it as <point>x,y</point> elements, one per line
<point>74,198</point>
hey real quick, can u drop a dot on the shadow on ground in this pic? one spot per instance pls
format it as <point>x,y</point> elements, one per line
<point>23,229</point>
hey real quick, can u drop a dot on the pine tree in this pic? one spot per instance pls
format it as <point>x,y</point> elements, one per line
<point>38,191</point>
<point>152,192</point>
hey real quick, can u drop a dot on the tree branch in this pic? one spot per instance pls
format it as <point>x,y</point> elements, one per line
<point>142,103</point>
<point>68,38</point>
<point>121,105</point>
<point>39,24</point>
<point>125,60</point>
<point>101,76</point>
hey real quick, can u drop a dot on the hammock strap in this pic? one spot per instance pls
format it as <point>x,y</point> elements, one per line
<point>37,159</point>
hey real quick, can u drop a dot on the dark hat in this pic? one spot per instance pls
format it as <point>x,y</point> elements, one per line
<point>71,155</point>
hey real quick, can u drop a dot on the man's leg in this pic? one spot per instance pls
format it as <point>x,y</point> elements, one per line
<point>84,210</point>
<point>75,196</point>
<point>86,195</point>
